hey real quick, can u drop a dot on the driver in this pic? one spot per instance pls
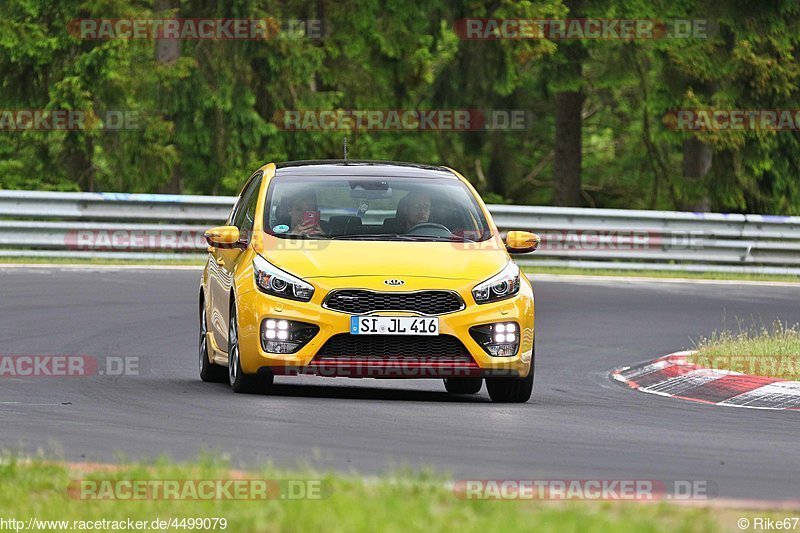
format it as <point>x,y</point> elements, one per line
<point>300,204</point>
<point>413,209</point>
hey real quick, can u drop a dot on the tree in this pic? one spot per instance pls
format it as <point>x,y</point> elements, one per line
<point>568,100</point>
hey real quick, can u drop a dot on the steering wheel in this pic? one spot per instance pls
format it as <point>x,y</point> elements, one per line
<point>429,225</point>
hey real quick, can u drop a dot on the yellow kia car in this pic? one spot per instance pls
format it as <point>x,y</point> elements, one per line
<point>366,269</point>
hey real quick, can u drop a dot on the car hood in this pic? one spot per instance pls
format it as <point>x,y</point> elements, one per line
<point>335,259</point>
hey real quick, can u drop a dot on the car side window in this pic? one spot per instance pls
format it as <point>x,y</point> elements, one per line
<point>237,206</point>
<point>246,209</point>
<point>249,210</point>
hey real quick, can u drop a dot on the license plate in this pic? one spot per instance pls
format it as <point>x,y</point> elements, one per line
<point>393,325</point>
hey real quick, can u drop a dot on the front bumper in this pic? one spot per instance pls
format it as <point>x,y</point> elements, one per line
<point>255,306</point>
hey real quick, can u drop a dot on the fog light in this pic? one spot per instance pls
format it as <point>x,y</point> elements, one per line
<point>501,350</point>
<point>285,336</point>
<point>498,340</point>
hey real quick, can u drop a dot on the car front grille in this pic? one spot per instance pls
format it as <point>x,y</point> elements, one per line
<point>402,347</point>
<point>355,301</point>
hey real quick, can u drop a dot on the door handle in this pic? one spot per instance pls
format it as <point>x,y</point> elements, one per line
<point>220,260</point>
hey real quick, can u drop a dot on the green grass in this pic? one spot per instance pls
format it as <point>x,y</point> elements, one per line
<point>761,351</point>
<point>660,274</point>
<point>527,269</point>
<point>88,261</point>
<point>407,502</point>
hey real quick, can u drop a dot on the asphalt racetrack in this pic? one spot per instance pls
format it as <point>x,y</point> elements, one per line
<point>579,425</point>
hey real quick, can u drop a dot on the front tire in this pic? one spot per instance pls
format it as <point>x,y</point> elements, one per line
<point>239,381</point>
<point>209,372</point>
<point>463,385</point>
<point>511,390</point>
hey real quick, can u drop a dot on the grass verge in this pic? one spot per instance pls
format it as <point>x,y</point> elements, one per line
<point>91,261</point>
<point>759,351</point>
<point>659,274</point>
<point>416,502</point>
<point>527,269</point>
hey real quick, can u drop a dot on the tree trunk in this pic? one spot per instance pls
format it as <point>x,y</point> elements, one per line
<point>567,162</point>
<point>498,165</point>
<point>568,121</point>
<point>697,159</point>
<point>78,162</point>
<point>168,51</point>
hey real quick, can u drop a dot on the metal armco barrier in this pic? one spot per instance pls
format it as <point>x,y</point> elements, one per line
<point>165,227</point>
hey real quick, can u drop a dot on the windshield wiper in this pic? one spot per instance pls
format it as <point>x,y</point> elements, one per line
<point>451,238</point>
<point>299,236</point>
<point>374,237</point>
<point>402,237</point>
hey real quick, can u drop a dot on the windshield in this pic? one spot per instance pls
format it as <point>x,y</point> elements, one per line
<point>373,208</point>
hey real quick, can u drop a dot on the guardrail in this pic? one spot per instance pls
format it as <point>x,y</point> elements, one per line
<point>158,226</point>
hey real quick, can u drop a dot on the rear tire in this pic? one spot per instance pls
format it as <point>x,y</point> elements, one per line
<point>463,385</point>
<point>239,381</point>
<point>209,372</point>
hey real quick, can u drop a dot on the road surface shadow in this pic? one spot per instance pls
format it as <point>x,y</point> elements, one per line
<point>371,393</point>
<point>344,392</point>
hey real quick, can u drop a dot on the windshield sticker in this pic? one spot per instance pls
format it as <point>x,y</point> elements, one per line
<point>280,228</point>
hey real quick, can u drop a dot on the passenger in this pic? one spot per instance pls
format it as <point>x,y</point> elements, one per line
<point>413,209</point>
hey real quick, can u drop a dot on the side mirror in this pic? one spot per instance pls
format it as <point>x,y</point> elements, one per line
<point>521,242</point>
<point>224,237</point>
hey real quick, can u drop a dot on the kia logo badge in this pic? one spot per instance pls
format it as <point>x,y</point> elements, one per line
<point>394,282</point>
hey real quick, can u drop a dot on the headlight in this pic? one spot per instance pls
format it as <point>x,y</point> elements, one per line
<point>272,280</point>
<point>499,287</point>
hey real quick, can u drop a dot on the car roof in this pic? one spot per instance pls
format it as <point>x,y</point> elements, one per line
<point>363,168</point>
